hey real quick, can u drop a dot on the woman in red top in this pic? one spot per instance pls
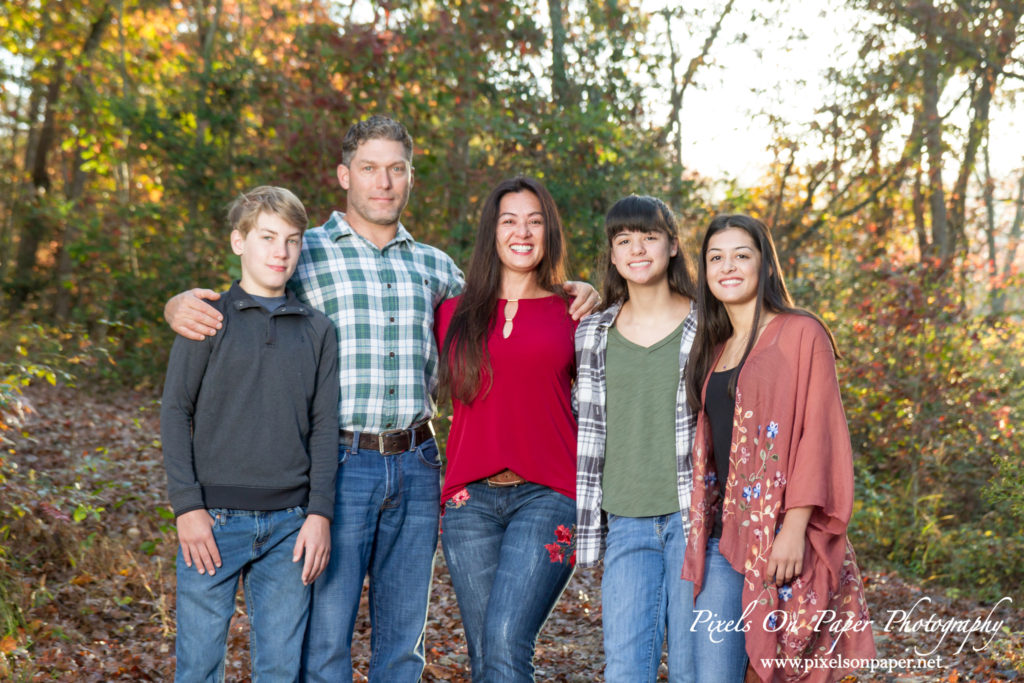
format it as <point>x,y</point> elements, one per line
<point>773,475</point>
<point>509,488</point>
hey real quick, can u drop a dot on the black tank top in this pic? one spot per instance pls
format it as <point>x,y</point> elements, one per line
<point>719,407</point>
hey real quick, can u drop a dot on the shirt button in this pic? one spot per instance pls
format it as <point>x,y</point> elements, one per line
<point>389,285</point>
<point>391,355</point>
<point>391,391</point>
<point>391,320</point>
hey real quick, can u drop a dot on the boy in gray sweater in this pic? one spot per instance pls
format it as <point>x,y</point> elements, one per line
<point>249,422</point>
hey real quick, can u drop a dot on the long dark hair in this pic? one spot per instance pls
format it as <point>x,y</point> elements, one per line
<point>713,325</point>
<point>637,213</point>
<point>465,360</point>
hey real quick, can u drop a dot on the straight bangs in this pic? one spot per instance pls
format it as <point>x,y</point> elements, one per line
<point>637,214</point>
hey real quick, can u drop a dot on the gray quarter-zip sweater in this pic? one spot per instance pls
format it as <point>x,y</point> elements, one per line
<point>249,418</point>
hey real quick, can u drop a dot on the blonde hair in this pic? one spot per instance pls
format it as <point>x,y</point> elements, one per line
<point>247,207</point>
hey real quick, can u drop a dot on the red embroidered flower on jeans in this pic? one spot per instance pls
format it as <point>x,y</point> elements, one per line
<point>555,551</point>
<point>564,545</point>
<point>459,499</point>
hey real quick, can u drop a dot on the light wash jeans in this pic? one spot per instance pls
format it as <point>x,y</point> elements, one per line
<point>721,657</point>
<point>258,547</point>
<point>644,600</point>
<point>504,578</point>
<point>386,513</point>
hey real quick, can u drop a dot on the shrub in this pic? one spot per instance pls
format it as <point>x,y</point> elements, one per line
<point>933,393</point>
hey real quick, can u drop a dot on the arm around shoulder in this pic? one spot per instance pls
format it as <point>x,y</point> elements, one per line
<point>189,315</point>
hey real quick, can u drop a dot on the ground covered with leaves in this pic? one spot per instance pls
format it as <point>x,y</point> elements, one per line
<point>87,551</point>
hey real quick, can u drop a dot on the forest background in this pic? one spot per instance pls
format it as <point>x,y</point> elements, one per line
<point>126,127</point>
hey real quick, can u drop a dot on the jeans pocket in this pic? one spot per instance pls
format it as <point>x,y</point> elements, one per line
<point>298,511</point>
<point>429,454</point>
<point>344,454</point>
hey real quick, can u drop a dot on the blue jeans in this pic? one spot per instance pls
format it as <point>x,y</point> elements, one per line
<point>504,578</point>
<point>721,649</point>
<point>644,599</point>
<point>386,513</point>
<point>258,547</point>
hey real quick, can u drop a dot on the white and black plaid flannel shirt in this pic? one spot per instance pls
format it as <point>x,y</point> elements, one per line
<point>590,397</point>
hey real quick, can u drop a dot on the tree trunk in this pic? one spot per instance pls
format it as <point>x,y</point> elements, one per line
<point>680,86</point>
<point>559,80</point>
<point>1013,243</point>
<point>76,187</point>
<point>933,145</point>
<point>977,130</point>
<point>923,244</point>
<point>36,225</point>
<point>207,34</point>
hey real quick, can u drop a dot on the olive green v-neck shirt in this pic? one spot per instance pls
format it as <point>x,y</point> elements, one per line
<point>639,478</point>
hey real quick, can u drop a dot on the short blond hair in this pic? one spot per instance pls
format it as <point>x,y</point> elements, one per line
<point>248,206</point>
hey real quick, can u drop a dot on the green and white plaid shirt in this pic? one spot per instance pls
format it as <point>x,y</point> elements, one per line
<point>382,303</point>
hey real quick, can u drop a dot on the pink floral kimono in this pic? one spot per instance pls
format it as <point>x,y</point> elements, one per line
<point>790,448</point>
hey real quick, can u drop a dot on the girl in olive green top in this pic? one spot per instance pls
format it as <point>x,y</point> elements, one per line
<point>634,475</point>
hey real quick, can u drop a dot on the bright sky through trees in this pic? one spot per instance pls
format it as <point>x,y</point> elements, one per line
<point>779,72</point>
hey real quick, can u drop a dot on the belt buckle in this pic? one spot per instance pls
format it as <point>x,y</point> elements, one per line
<point>385,434</point>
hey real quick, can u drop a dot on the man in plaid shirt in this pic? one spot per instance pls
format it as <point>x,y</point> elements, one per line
<point>380,288</point>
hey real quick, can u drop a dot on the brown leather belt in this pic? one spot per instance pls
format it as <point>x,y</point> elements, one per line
<point>392,441</point>
<point>504,478</point>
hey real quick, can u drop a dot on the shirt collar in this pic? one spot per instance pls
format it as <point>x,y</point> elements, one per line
<point>607,317</point>
<point>338,227</point>
<point>243,300</point>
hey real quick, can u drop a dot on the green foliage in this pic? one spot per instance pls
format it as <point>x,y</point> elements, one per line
<point>113,354</point>
<point>1006,490</point>
<point>11,596</point>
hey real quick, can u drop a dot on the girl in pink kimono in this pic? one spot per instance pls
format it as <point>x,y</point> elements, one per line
<point>775,576</point>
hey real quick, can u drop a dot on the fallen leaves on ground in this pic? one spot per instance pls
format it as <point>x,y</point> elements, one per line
<point>98,593</point>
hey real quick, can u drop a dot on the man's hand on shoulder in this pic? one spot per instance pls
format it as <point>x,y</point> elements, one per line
<point>314,542</point>
<point>191,317</point>
<point>586,299</point>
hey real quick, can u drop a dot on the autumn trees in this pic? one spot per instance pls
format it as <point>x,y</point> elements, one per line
<point>127,126</point>
<point>900,135</point>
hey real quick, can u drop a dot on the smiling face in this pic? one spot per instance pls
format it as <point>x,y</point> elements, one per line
<point>378,179</point>
<point>520,232</point>
<point>642,258</point>
<point>732,262</point>
<point>269,253</point>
